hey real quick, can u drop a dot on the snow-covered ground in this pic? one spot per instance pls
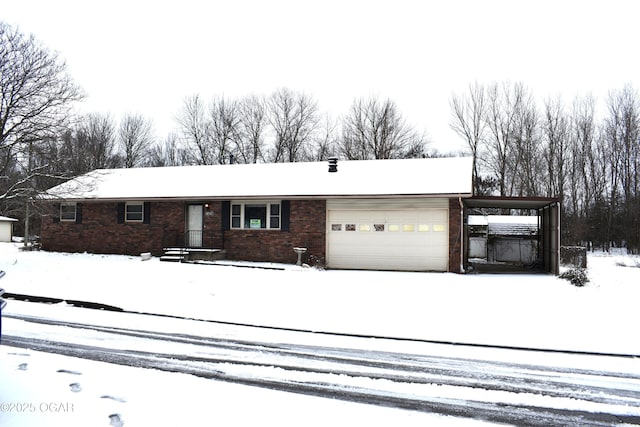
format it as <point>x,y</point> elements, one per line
<point>511,310</point>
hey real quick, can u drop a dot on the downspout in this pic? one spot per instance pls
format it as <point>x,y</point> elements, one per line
<point>461,234</point>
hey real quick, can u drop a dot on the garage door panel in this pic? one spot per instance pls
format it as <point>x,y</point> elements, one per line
<point>407,263</point>
<point>396,240</point>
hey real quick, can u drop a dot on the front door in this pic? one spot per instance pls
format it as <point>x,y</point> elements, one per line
<point>194,226</point>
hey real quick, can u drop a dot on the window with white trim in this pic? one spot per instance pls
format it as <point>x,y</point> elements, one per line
<point>256,215</point>
<point>67,212</point>
<point>134,212</point>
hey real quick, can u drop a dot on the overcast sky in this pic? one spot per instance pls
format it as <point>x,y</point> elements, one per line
<point>145,57</point>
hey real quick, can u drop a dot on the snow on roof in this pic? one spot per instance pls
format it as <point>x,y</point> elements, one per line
<point>507,225</point>
<point>502,219</point>
<point>434,176</point>
<point>513,229</point>
<point>6,218</point>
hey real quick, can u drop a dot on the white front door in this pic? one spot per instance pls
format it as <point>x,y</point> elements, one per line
<point>194,226</point>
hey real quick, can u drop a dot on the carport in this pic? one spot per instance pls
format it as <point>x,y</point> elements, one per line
<point>547,210</point>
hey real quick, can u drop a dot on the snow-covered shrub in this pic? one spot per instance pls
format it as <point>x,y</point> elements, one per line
<point>317,262</point>
<point>628,262</point>
<point>577,276</point>
<point>573,256</point>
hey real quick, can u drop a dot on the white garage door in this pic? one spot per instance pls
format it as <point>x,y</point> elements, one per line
<point>407,239</point>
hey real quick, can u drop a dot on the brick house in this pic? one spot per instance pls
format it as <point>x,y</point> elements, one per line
<point>371,214</point>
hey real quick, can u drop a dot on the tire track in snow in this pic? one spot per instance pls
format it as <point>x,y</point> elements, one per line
<point>334,372</point>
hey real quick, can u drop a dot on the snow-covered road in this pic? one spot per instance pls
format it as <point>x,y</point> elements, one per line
<point>495,385</point>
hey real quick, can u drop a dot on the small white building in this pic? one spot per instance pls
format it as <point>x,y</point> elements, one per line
<point>6,228</point>
<point>505,238</point>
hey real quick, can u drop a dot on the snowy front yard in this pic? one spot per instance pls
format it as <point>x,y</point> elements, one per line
<point>540,311</point>
<point>507,310</point>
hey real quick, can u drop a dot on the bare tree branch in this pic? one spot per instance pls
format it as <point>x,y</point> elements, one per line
<point>375,129</point>
<point>136,138</point>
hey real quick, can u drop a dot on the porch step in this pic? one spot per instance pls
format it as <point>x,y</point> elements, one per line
<point>172,258</point>
<point>173,255</point>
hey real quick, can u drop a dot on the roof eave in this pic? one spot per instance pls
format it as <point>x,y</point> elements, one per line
<point>260,197</point>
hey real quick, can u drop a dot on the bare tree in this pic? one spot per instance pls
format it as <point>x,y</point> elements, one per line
<point>168,153</point>
<point>194,126</point>
<point>136,138</point>
<point>375,129</point>
<point>556,136</point>
<point>327,140</point>
<point>252,128</point>
<point>36,93</point>
<point>503,107</point>
<point>526,166</point>
<point>468,121</point>
<point>224,129</point>
<point>89,145</point>
<point>622,139</point>
<point>581,178</point>
<point>624,130</point>
<point>294,118</point>
<point>585,182</point>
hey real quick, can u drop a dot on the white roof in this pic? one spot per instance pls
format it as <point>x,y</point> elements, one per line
<point>356,178</point>
<point>6,218</point>
<point>502,219</point>
<point>507,225</point>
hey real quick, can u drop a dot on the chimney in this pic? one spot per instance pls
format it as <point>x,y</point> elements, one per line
<point>333,164</point>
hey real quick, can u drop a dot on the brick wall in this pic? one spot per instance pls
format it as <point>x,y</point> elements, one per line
<point>455,236</point>
<point>99,232</point>
<point>306,229</point>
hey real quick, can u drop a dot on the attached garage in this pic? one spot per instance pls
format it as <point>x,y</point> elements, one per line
<point>408,234</point>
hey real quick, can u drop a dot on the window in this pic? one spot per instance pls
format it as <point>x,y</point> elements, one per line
<point>274,216</point>
<point>134,212</point>
<point>236,216</point>
<point>68,212</point>
<point>256,215</point>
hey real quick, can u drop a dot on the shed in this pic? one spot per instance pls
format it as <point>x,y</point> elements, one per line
<point>537,234</point>
<point>6,228</point>
<point>505,238</point>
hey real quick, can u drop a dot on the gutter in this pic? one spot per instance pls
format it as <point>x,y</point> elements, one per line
<point>255,197</point>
